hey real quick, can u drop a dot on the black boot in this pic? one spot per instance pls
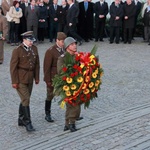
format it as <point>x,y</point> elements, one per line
<point>21,116</point>
<point>72,127</point>
<point>27,119</point>
<point>48,111</point>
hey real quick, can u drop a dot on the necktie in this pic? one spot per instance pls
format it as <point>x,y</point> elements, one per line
<point>85,6</point>
<point>55,7</point>
<point>32,8</point>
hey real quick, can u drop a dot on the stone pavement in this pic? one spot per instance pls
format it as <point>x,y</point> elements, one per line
<point>119,119</point>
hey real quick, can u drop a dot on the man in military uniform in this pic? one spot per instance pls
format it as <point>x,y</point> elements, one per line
<point>50,69</point>
<point>72,112</point>
<point>3,33</point>
<point>24,69</point>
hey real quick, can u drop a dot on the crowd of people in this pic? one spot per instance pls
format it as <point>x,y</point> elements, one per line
<point>67,25</point>
<point>83,21</point>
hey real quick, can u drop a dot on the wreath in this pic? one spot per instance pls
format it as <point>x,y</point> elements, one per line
<point>79,80</point>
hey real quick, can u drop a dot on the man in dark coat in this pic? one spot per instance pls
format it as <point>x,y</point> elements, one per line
<point>101,11</point>
<point>72,20</point>
<point>116,15</point>
<point>129,18</point>
<point>85,19</point>
<point>23,21</point>
<point>43,14</point>
<point>50,70</point>
<point>24,69</point>
<point>62,13</point>
<point>53,14</point>
<point>138,6</point>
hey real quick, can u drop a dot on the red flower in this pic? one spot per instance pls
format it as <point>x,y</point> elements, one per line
<point>75,66</point>
<point>64,69</point>
<point>88,96</point>
<point>77,58</point>
<point>64,78</point>
<point>79,69</point>
<point>76,73</point>
<point>93,67</point>
<point>72,75</point>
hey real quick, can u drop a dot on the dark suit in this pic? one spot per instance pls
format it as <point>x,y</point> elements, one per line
<point>72,17</point>
<point>85,18</point>
<point>138,10</point>
<point>100,22</point>
<point>53,24</point>
<point>129,10</point>
<point>62,13</point>
<point>23,21</point>
<point>32,17</point>
<point>42,22</point>
<point>115,25</point>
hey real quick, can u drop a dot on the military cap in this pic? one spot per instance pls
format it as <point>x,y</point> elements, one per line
<point>28,35</point>
<point>61,36</point>
<point>68,41</point>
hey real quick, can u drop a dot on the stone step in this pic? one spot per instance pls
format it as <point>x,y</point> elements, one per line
<point>87,128</point>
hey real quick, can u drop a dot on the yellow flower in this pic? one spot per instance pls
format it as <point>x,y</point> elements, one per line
<point>91,58</point>
<point>80,79</point>
<point>69,80</point>
<point>82,65</point>
<point>96,71</point>
<point>97,82</point>
<point>92,90</point>
<point>87,78</point>
<point>73,87</point>
<point>74,93</point>
<point>84,86</point>
<point>94,75</point>
<point>101,74</point>
<point>86,91</point>
<point>66,88</point>
<point>91,84</point>
<point>68,93</point>
<point>93,62</point>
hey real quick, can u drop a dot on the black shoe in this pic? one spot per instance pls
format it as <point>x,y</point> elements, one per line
<point>66,128</point>
<point>48,118</point>
<point>80,118</point>
<point>129,42</point>
<point>149,44</point>
<point>96,40</point>
<point>51,41</point>
<point>29,127</point>
<point>91,39</point>
<point>125,42</point>
<point>110,42</point>
<point>117,42</point>
<point>80,43</point>
<point>1,63</point>
<point>72,127</point>
<point>101,40</point>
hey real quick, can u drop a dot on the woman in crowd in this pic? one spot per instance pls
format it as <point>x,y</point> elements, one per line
<point>15,13</point>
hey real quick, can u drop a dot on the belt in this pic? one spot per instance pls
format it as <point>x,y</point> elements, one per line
<point>25,69</point>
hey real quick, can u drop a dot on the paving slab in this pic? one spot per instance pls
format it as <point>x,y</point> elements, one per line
<point>119,119</point>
